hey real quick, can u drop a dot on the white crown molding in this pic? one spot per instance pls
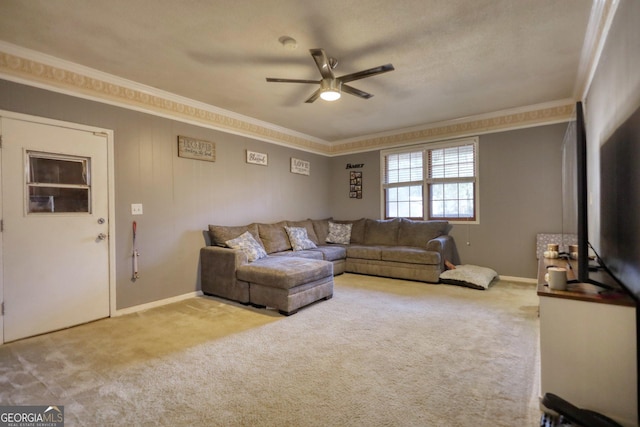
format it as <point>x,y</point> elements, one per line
<point>600,21</point>
<point>47,72</point>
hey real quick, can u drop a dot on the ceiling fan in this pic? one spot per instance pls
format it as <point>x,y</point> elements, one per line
<point>331,86</point>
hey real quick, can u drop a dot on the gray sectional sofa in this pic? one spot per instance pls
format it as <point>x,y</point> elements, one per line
<point>284,271</point>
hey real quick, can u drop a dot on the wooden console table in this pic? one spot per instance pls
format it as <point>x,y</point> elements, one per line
<point>588,346</point>
<point>580,291</point>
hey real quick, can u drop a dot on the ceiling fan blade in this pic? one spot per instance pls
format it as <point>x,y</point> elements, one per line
<point>272,79</point>
<point>323,63</point>
<point>313,97</point>
<point>357,92</point>
<point>366,73</point>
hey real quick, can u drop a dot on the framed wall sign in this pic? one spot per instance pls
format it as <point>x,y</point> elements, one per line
<point>197,149</point>
<point>256,158</point>
<point>301,167</point>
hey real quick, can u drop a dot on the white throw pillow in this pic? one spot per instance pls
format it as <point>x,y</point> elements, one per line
<point>339,233</point>
<point>299,238</point>
<point>249,245</point>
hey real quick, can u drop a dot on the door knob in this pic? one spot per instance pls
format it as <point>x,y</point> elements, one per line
<point>102,236</point>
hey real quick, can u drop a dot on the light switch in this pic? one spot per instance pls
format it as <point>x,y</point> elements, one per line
<point>136,209</point>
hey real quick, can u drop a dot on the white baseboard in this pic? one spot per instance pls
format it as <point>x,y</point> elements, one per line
<point>158,303</point>
<point>519,279</point>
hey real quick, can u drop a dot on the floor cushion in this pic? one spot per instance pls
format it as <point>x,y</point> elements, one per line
<point>471,276</point>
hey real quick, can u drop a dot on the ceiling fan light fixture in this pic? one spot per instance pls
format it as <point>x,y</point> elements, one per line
<point>330,95</point>
<point>330,85</point>
<point>330,89</point>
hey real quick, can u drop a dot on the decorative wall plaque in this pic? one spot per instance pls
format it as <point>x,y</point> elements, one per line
<point>257,158</point>
<point>301,167</point>
<point>197,149</point>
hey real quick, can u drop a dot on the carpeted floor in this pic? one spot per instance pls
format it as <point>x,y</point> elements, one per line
<point>380,353</point>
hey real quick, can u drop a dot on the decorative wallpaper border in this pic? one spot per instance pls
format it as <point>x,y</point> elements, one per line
<point>478,126</point>
<point>83,84</point>
<point>102,90</point>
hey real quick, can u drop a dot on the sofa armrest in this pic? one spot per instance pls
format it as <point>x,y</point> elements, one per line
<point>218,272</point>
<point>446,246</point>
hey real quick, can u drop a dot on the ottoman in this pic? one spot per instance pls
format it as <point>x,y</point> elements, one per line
<point>287,283</point>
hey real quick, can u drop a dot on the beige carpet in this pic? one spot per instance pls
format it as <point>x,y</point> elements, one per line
<point>380,353</point>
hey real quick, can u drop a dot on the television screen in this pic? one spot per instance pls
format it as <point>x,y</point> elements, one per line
<point>620,204</point>
<point>569,187</point>
<point>594,272</point>
<point>582,196</point>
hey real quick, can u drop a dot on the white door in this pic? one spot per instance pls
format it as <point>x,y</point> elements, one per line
<point>55,246</point>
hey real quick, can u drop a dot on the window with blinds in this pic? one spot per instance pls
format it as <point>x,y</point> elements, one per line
<point>451,182</point>
<point>403,184</point>
<point>432,181</point>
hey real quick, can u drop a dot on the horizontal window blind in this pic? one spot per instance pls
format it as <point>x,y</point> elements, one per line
<point>403,168</point>
<point>452,162</point>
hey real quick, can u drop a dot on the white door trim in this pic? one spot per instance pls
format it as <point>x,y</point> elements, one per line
<point>110,194</point>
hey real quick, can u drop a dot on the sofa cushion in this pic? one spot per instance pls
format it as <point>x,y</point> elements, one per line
<point>321,228</point>
<point>357,229</point>
<point>284,272</point>
<point>332,252</point>
<point>274,237</point>
<point>247,244</point>
<point>418,233</point>
<point>298,238</point>
<point>339,233</point>
<point>310,254</point>
<point>410,255</point>
<point>381,232</point>
<point>219,234</point>
<point>364,252</point>
<point>308,225</point>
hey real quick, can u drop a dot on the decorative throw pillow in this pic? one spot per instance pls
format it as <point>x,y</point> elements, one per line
<point>248,245</point>
<point>299,238</point>
<point>339,233</point>
<point>471,276</point>
<point>307,224</point>
<point>219,234</point>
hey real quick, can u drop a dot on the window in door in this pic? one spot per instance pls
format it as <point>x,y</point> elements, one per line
<point>57,184</point>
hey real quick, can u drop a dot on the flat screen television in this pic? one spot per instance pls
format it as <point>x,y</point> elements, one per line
<point>618,258</point>
<point>620,204</point>
<point>617,261</point>
<point>583,201</point>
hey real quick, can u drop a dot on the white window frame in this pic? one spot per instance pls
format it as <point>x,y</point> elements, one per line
<point>385,186</point>
<point>426,181</point>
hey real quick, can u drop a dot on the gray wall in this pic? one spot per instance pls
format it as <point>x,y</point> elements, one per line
<point>520,196</point>
<point>180,196</point>
<point>342,207</point>
<point>519,178</point>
